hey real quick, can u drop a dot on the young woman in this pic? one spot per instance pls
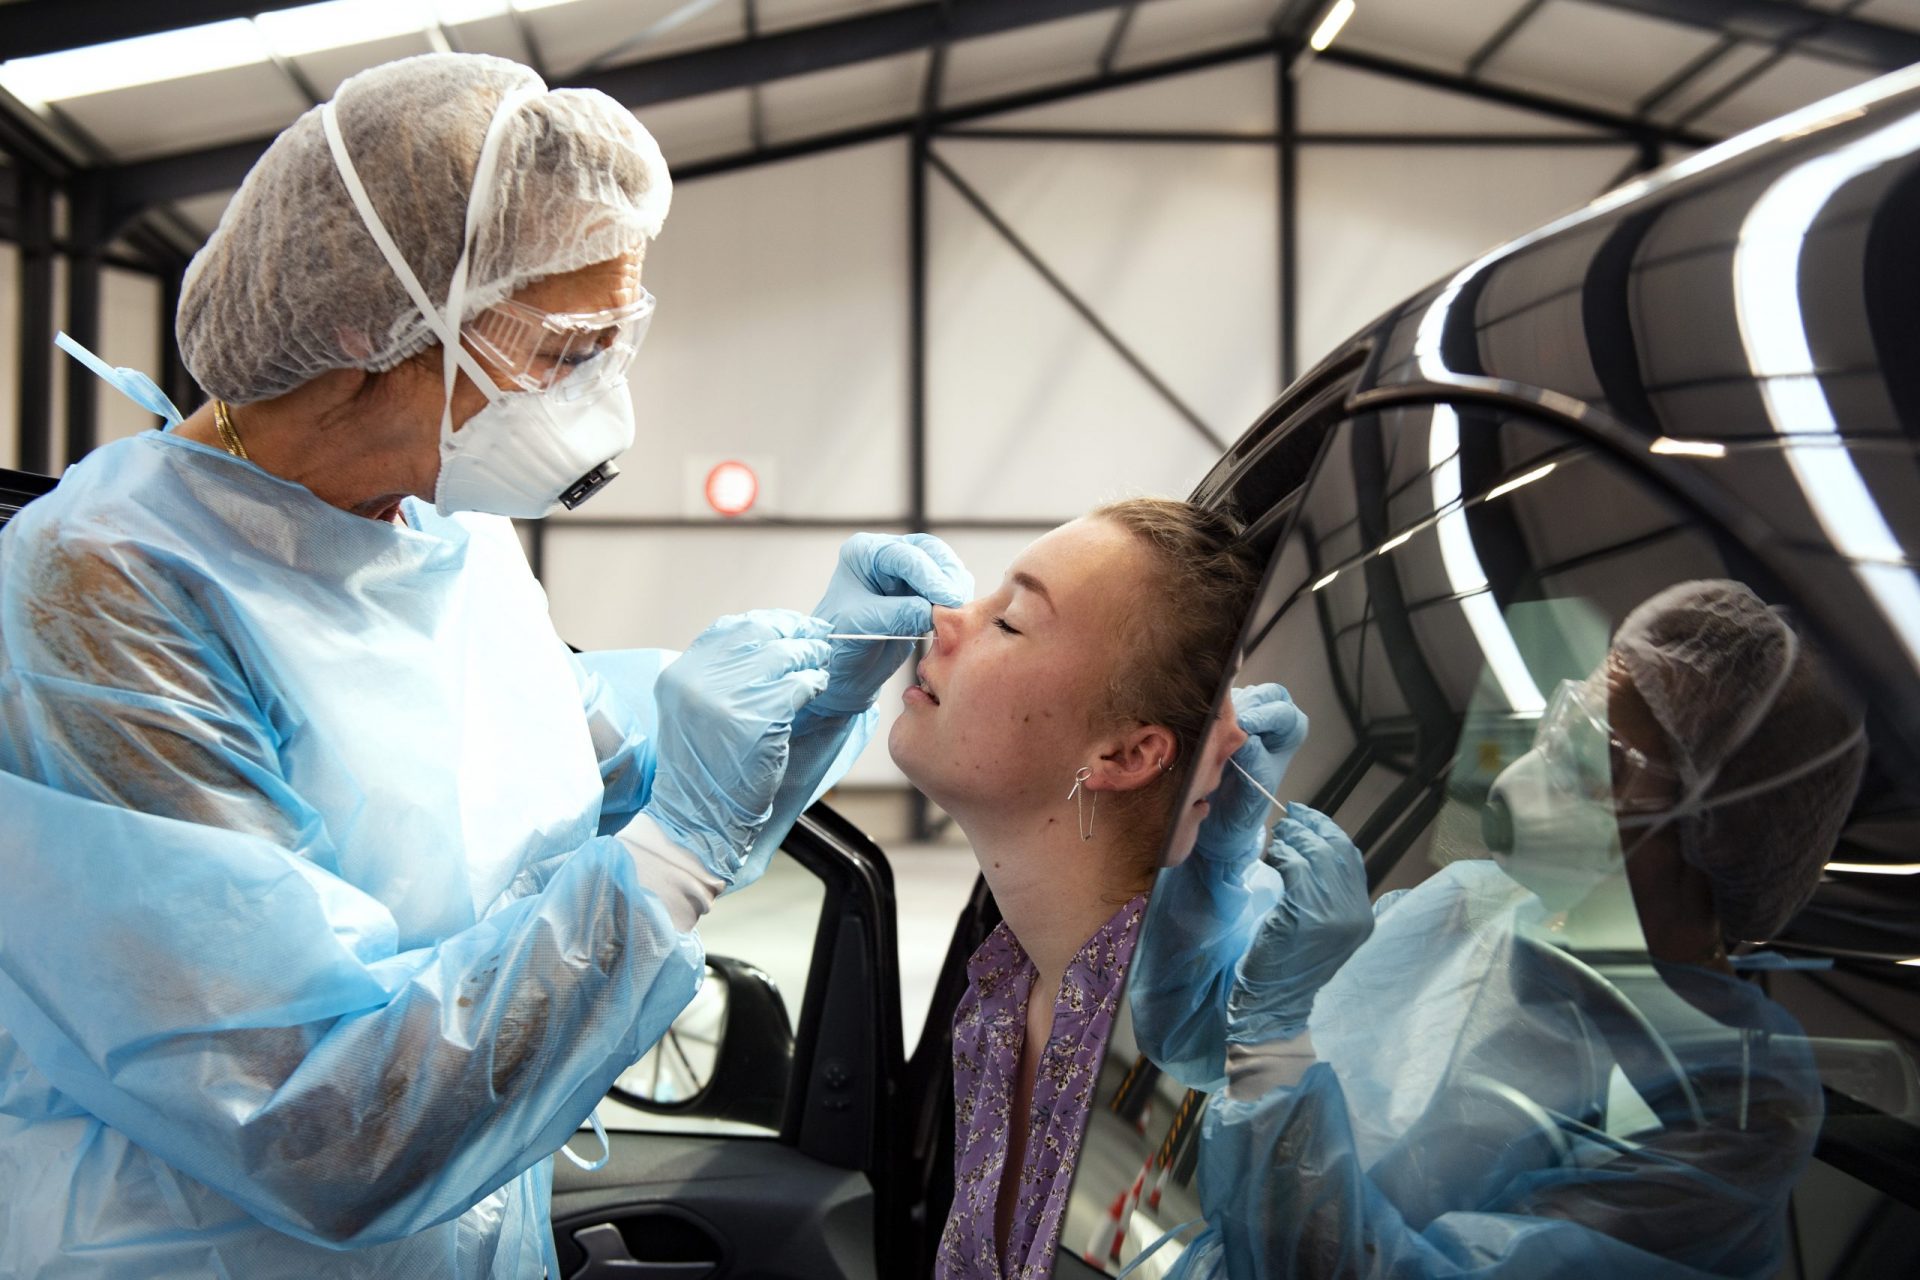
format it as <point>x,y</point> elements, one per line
<point>1054,719</point>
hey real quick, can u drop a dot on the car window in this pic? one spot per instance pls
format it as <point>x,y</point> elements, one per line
<point>1450,584</point>
<point>760,950</point>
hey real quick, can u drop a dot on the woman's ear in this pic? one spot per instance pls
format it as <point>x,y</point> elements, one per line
<point>1135,759</point>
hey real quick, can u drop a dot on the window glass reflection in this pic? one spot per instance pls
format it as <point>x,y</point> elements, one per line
<point>1586,770</point>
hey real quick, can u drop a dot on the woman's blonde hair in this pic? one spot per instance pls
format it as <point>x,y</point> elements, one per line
<point>1203,576</point>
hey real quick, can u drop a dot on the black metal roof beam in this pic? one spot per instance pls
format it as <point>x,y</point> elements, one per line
<point>1117,37</point>
<point>1817,31</point>
<point>29,27</point>
<point>821,47</point>
<point>1500,38</point>
<point>1539,104</point>
<point>1697,66</point>
<point>1779,54</point>
<point>825,46</point>
<point>139,186</point>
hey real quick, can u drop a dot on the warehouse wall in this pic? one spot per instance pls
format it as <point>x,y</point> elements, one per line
<point>783,336</point>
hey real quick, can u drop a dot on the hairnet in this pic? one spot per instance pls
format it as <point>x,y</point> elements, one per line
<point>1753,718</point>
<point>292,285</point>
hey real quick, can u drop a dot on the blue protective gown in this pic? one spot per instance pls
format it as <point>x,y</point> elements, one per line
<point>314,945</point>
<point>1469,1114</point>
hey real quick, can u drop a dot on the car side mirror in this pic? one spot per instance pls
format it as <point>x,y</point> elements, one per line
<point>726,1057</point>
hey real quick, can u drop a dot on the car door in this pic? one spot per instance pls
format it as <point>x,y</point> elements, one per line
<point>763,1136</point>
<point>1444,568</point>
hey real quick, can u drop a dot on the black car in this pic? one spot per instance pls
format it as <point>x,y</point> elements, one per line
<point>1708,373</point>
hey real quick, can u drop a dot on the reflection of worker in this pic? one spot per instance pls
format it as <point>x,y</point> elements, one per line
<point>1463,1096</point>
<point>337,890</point>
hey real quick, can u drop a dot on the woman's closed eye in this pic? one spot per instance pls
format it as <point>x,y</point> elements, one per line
<point>1005,626</point>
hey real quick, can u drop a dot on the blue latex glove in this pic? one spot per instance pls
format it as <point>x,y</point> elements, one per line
<point>885,584</point>
<point>726,719</point>
<point>1321,920</point>
<point>1235,829</point>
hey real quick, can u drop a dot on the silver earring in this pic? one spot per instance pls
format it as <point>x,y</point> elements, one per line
<point>1079,796</point>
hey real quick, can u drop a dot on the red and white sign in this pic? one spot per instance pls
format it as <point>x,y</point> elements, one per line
<point>732,488</point>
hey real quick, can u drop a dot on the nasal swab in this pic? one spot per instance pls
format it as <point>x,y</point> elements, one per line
<point>850,635</point>
<point>1256,783</point>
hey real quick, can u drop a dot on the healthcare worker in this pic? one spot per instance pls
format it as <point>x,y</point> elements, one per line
<point>1441,1086</point>
<point>337,891</point>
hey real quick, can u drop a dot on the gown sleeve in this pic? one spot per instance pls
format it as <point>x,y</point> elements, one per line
<point>1467,1193</point>
<point>178,955</point>
<point>1200,920</point>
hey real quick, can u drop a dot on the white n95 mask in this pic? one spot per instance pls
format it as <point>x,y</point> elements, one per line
<point>524,454</point>
<point>1557,842</point>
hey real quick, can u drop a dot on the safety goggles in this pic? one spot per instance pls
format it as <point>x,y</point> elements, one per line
<point>571,356</point>
<point>1586,757</point>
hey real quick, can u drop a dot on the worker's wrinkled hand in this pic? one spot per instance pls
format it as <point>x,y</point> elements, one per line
<point>1235,829</point>
<point>1321,920</point>
<point>726,714</point>
<point>885,584</point>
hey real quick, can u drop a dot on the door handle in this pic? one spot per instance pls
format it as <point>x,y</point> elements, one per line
<point>608,1258</point>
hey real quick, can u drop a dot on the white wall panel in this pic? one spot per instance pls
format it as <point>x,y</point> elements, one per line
<point>611,588</point>
<point>1607,57</point>
<point>843,98</point>
<point>1030,412</point>
<point>1163,29</point>
<point>1377,224</point>
<point>1237,97</point>
<point>700,128</point>
<point>1012,61</point>
<point>130,336</point>
<point>1336,99</point>
<point>1441,34</point>
<point>781,333</point>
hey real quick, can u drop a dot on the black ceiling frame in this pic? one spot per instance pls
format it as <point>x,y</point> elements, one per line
<point>32,27</point>
<point>1785,26</point>
<point>1836,36</point>
<point>132,188</point>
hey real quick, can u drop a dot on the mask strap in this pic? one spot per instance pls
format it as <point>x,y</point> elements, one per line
<point>606,1148</point>
<point>363,204</point>
<point>483,171</point>
<point>1799,771</point>
<point>1697,805</point>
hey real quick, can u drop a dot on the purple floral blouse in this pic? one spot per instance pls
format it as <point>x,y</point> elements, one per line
<point>989,1030</point>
